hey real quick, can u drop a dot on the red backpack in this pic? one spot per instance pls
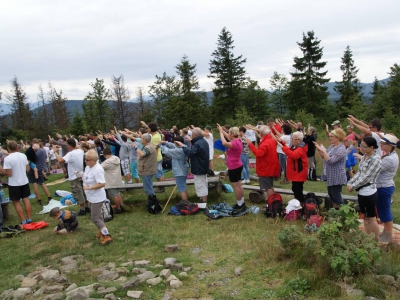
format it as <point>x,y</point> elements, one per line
<point>189,209</point>
<point>275,207</point>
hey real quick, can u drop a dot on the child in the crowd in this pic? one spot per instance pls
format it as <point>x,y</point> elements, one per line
<point>351,160</point>
<point>67,220</point>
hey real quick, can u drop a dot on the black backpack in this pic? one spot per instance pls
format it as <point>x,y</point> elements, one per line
<point>311,206</point>
<point>275,206</point>
<point>153,205</point>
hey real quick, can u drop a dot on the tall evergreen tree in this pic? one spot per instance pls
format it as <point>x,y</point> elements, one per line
<point>229,74</point>
<point>78,125</point>
<point>161,92</point>
<point>59,108</point>
<point>375,86</point>
<point>280,85</point>
<point>96,107</point>
<point>143,112</point>
<point>121,107</point>
<point>394,89</point>
<point>43,124</point>
<point>307,87</point>
<point>21,115</point>
<point>349,88</point>
<point>255,100</point>
<point>188,107</point>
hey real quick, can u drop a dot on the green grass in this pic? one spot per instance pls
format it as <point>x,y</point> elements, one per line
<point>212,248</point>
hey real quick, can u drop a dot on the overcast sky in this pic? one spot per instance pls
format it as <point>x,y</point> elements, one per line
<point>72,42</point>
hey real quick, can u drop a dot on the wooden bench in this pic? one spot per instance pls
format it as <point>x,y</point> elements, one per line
<point>325,196</point>
<point>170,183</point>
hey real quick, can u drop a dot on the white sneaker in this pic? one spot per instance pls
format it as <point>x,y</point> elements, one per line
<point>248,181</point>
<point>123,182</point>
<point>244,181</point>
<point>129,182</point>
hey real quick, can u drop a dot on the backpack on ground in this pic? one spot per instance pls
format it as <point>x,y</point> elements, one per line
<point>312,174</point>
<point>189,209</point>
<point>153,205</point>
<point>107,211</point>
<point>174,211</point>
<point>311,206</point>
<point>275,206</point>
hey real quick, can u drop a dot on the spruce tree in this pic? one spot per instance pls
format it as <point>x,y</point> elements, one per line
<point>349,88</point>
<point>229,74</point>
<point>307,88</point>
<point>188,107</point>
<point>96,108</point>
<point>280,86</point>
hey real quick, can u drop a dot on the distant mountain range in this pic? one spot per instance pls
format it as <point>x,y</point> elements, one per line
<point>73,105</point>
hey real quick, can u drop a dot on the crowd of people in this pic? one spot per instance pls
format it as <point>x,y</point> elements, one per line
<point>101,164</point>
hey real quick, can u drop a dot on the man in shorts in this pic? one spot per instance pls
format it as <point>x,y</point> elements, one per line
<point>74,160</point>
<point>15,167</point>
<point>267,162</point>
<point>199,155</point>
<point>40,159</point>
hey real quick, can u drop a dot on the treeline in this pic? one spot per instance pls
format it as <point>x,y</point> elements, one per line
<point>237,99</point>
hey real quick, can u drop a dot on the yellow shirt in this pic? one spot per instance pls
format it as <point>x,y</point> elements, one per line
<point>155,140</point>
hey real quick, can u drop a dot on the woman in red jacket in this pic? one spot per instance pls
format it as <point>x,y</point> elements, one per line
<point>296,162</point>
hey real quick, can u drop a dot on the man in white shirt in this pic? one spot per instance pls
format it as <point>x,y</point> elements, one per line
<point>74,158</point>
<point>15,167</point>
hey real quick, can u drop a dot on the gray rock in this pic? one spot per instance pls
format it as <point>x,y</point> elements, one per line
<point>110,266</point>
<point>177,267</point>
<point>154,281</point>
<point>168,262</point>
<point>187,269</point>
<point>19,278</point>
<point>158,266</point>
<point>183,274</point>
<point>142,263</point>
<point>21,292</point>
<point>171,248</point>
<point>90,288</point>
<point>121,279</point>
<point>107,291</point>
<point>101,288</point>
<point>6,293</point>
<point>108,276</point>
<point>53,289</point>
<point>69,260</point>
<point>127,264</point>
<point>171,277</point>
<point>99,270</point>
<point>38,293</point>
<point>68,268</point>
<point>386,279</point>
<point>176,284</point>
<point>146,275</point>
<point>354,293</point>
<point>122,271</point>
<point>71,287</point>
<point>110,297</point>
<point>57,296</point>
<point>165,273</point>
<point>78,294</point>
<point>134,281</point>
<point>28,282</point>
<point>238,271</point>
<point>135,294</point>
<point>138,270</point>
<point>48,274</point>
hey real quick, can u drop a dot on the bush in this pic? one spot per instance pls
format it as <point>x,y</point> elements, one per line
<point>339,242</point>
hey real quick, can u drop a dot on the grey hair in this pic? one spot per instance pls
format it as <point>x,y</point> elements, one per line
<point>196,131</point>
<point>298,135</point>
<point>265,130</point>
<point>147,137</point>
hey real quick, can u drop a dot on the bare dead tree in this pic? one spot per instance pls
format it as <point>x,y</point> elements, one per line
<point>122,109</point>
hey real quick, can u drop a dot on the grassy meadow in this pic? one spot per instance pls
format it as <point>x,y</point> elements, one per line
<point>213,249</point>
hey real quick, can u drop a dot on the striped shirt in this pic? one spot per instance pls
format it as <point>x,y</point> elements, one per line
<point>368,171</point>
<point>390,163</point>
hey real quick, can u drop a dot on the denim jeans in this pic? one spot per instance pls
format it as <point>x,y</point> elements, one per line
<point>282,162</point>
<point>148,184</point>
<point>245,161</point>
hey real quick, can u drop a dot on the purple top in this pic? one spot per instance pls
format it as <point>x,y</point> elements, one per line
<point>233,160</point>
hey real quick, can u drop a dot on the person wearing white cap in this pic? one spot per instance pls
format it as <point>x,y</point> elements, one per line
<point>385,185</point>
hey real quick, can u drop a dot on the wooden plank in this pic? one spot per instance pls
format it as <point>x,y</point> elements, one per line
<point>167,183</point>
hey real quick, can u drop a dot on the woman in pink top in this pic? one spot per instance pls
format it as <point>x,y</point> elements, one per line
<point>231,140</point>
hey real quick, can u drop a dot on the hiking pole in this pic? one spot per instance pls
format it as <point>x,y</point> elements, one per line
<point>170,196</point>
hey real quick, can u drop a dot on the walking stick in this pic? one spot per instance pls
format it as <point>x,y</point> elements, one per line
<point>170,196</point>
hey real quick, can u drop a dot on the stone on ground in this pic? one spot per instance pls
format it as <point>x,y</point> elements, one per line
<point>50,274</point>
<point>142,263</point>
<point>146,275</point>
<point>168,262</point>
<point>176,284</point>
<point>28,282</point>
<point>238,271</point>
<point>134,281</point>
<point>135,294</point>
<point>154,281</point>
<point>165,273</point>
<point>171,248</point>
<point>107,291</point>
<point>108,276</point>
